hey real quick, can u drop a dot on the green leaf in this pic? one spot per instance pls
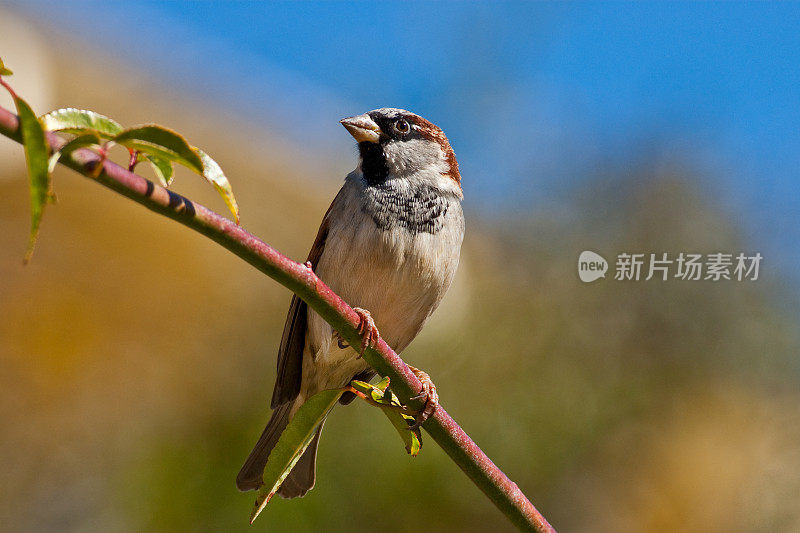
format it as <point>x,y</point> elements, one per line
<point>162,169</point>
<point>36,157</point>
<point>3,70</point>
<point>292,443</point>
<point>381,394</point>
<point>362,386</point>
<point>80,121</point>
<point>382,384</point>
<point>378,393</point>
<point>162,143</point>
<point>81,141</point>
<point>213,173</point>
<point>412,439</point>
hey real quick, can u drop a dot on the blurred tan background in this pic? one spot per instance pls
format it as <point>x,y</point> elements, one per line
<point>137,358</point>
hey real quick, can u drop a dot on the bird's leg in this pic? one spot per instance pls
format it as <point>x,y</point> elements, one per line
<point>367,330</point>
<point>428,393</point>
<point>366,327</point>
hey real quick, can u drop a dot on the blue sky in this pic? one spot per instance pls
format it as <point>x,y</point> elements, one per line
<point>532,95</point>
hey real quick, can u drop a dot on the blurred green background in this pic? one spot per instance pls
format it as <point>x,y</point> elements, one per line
<point>137,358</point>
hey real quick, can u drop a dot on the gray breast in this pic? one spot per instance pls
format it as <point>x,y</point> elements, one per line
<point>418,208</point>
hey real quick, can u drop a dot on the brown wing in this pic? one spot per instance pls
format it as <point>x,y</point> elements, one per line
<point>290,353</point>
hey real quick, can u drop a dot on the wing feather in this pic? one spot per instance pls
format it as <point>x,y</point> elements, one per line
<point>290,353</point>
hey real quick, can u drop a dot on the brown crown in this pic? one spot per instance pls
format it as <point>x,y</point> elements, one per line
<point>433,132</point>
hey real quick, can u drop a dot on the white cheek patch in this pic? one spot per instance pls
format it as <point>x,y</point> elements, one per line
<point>415,155</point>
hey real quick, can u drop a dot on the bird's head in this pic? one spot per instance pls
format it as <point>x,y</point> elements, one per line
<point>395,143</point>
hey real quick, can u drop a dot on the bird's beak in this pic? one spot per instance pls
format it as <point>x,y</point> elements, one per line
<point>362,128</point>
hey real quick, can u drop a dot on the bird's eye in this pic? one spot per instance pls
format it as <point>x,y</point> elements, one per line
<point>402,126</point>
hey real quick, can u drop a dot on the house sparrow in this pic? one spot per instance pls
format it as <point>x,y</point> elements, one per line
<point>389,243</point>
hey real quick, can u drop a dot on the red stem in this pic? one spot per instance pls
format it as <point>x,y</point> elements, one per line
<point>8,88</point>
<point>134,159</point>
<point>302,281</point>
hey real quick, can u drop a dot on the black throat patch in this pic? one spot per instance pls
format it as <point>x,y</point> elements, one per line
<point>415,208</point>
<point>373,162</point>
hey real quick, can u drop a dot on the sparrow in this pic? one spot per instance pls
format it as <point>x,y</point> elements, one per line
<point>388,245</point>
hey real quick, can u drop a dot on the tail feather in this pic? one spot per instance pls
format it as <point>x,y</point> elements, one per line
<point>300,480</point>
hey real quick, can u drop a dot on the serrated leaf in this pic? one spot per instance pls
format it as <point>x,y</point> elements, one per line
<point>213,173</point>
<point>292,443</point>
<point>36,150</point>
<point>4,71</point>
<point>162,169</point>
<point>80,121</point>
<point>412,440</point>
<point>162,143</point>
<point>81,141</point>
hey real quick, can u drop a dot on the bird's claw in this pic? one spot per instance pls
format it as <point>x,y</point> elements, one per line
<point>429,394</point>
<point>367,330</point>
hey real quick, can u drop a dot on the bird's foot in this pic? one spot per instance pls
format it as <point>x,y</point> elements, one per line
<point>429,394</point>
<point>367,330</point>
